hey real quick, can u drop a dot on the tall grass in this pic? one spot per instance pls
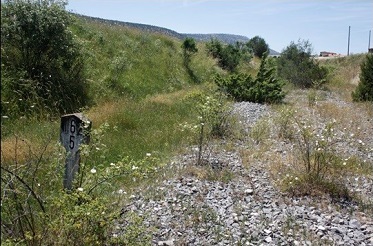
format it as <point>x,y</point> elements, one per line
<point>343,74</point>
<point>138,83</point>
<point>126,62</point>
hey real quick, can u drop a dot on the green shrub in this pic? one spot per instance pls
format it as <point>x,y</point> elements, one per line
<point>213,120</point>
<point>265,88</point>
<point>42,64</point>
<point>364,90</point>
<point>318,167</point>
<point>298,67</point>
<point>229,56</point>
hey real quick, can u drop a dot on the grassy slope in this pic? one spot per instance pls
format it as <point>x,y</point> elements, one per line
<point>137,83</point>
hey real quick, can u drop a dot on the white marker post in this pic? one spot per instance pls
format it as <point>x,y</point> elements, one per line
<point>74,131</point>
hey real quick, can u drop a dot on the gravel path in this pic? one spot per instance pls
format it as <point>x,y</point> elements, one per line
<point>245,208</point>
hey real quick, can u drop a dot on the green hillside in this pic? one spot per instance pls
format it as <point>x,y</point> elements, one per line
<point>126,69</point>
<point>123,61</point>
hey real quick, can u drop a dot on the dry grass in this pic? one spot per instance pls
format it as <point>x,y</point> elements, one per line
<point>206,172</point>
<point>167,98</point>
<point>18,150</point>
<point>101,113</point>
<point>15,150</point>
<point>345,74</point>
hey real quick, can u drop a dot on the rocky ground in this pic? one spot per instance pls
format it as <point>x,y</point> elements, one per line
<point>238,204</point>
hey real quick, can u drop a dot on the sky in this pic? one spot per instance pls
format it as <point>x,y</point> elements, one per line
<point>324,23</point>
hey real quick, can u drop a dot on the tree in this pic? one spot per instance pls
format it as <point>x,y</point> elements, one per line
<point>258,45</point>
<point>364,90</point>
<point>228,56</point>
<point>297,66</point>
<point>42,64</point>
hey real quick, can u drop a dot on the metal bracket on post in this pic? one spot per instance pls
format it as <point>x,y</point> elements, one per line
<point>75,130</point>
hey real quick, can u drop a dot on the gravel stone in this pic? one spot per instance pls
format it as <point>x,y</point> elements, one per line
<point>247,209</point>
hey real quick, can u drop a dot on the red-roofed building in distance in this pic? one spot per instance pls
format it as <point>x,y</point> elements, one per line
<point>328,54</point>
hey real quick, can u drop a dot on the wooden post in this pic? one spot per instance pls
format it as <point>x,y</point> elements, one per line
<point>75,130</point>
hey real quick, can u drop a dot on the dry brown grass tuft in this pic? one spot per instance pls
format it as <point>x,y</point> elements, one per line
<point>167,99</point>
<point>16,150</point>
<point>100,113</point>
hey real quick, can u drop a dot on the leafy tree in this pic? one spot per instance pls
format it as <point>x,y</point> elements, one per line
<point>364,90</point>
<point>42,65</point>
<point>297,66</point>
<point>258,45</point>
<point>228,56</point>
<point>265,88</point>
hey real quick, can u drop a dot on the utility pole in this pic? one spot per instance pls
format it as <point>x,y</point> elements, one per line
<point>348,46</point>
<point>369,39</point>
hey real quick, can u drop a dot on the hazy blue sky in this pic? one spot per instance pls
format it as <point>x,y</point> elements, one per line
<point>323,22</point>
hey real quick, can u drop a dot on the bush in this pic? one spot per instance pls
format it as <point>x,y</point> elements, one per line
<point>228,56</point>
<point>42,65</point>
<point>258,45</point>
<point>297,66</point>
<point>266,88</point>
<point>364,90</point>
<point>213,120</point>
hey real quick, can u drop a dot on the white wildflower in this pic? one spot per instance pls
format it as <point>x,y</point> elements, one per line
<point>120,191</point>
<point>93,170</point>
<point>148,154</point>
<point>80,189</point>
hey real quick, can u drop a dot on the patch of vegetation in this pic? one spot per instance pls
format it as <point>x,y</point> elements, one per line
<point>364,90</point>
<point>297,66</point>
<point>189,48</point>
<point>42,67</point>
<point>229,56</point>
<point>137,82</point>
<point>37,210</point>
<point>265,88</point>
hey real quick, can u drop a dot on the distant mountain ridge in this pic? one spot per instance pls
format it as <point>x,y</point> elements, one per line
<point>222,37</point>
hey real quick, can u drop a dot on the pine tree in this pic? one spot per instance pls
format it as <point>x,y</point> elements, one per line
<point>267,83</point>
